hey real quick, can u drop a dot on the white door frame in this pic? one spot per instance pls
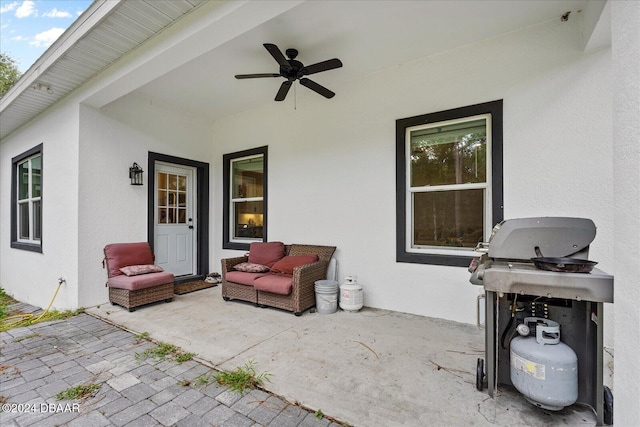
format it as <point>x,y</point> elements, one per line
<point>202,205</point>
<point>176,245</point>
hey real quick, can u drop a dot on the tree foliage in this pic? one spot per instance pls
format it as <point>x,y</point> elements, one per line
<point>9,73</point>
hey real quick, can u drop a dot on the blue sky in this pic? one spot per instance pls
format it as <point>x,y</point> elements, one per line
<point>28,28</point>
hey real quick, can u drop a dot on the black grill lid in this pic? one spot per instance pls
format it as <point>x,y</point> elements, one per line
<point>516,239</point>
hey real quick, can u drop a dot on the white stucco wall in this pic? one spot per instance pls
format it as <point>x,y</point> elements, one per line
<point>31,276</point>
<point>332,162</point>
<point>111,209</point>
<point>626,66</point>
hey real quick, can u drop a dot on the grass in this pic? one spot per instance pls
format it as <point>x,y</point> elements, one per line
<point>29,320</point>
<point>5,302</point>
<point>17,319</point>
<point>141,337</point>
<point>79,392</point>
<point>162,351</point>
<point>242,378</point>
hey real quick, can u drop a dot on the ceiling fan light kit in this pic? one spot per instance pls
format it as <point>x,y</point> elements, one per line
<point>293,70</point>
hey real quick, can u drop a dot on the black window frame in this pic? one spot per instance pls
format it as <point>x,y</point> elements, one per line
<point>15,161</point>
<point>497,206</point>
<point>226,202</point>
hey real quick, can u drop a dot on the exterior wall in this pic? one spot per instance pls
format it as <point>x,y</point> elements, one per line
<point>31,276</point>
<point>332,162</point>
<point>626,63</point>
<point>111,209</point>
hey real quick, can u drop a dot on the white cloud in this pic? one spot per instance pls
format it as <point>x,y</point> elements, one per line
<point>26,9</point>
<point>45,38</point>
<point>9,7</point>
<point>55,13</point>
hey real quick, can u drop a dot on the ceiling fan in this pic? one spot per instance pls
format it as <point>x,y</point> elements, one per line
<point>293,70</point>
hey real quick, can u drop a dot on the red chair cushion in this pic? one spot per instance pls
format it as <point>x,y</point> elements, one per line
<point>276,283</point>
<point>143,281</point>
<point>266,253</point>
<point>242,277</point>
<point>288,263</point>
<point>118,255</point>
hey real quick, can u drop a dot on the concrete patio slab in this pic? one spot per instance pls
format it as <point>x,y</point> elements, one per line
<point>369,368</point>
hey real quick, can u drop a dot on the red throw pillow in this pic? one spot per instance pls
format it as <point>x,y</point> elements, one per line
<point>247,267</point>
<point>266,253</point>
<point>136,270</point>
<point>288,263</point>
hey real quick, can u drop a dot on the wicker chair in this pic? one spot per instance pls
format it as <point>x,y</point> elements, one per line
<point>134,291</point>
<point>302,296</point>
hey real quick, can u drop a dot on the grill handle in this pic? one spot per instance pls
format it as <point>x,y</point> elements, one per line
<point>482,247</point>
<point>479,316</point>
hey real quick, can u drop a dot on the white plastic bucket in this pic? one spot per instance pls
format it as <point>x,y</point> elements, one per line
<point>326,296</point>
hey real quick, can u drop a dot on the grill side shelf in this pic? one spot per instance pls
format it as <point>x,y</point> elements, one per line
<point>596,286</point>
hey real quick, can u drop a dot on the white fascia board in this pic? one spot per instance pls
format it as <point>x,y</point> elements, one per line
<point>91,17</point>
<point>216,22</point>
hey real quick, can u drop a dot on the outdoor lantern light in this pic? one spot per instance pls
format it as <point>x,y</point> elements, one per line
<point>135,174</point>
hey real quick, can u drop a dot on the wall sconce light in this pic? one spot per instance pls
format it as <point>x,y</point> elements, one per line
<point>135,174</point>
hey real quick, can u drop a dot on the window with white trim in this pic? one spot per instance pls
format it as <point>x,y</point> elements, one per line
<point>447,164</point>
<point>26,195</point>
<point>245,198</point>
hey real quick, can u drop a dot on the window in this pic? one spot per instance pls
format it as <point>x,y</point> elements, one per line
<point>449,183</point>
<point>26,200</point>
<point>245,198</point>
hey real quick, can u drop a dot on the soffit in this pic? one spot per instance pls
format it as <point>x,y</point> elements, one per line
<point>106,32</point>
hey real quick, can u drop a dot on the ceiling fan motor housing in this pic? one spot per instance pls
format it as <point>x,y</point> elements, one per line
<point>293,72</point>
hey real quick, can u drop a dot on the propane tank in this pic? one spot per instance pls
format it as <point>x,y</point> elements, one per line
<point>351,294</point>
<point>544,369</point>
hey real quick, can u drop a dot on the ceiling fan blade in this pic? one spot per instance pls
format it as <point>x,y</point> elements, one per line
<point>256,76</point>
<point>329,64</point>
<point>277,55</point>
<point>317,88</point>
<point>284,89</point>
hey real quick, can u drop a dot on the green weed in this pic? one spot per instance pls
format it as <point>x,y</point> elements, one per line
<point>242,378</point>
<point>79,392</point>
<point>25,337</point>
<point>141,336</point>
<point>162,351</point>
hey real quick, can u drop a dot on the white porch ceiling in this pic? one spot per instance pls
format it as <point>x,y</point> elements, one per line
<point>367,36</point>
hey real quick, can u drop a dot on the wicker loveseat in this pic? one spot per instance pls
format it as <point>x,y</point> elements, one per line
<point>133,279</point>
<point>287,282</point>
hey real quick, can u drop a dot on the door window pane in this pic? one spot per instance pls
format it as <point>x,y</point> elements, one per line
<point>172,193</point>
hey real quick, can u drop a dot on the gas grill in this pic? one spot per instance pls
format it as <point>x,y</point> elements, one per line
<point>539,267</point>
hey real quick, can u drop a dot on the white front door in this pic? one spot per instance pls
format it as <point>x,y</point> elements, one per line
<point>174,241</point>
